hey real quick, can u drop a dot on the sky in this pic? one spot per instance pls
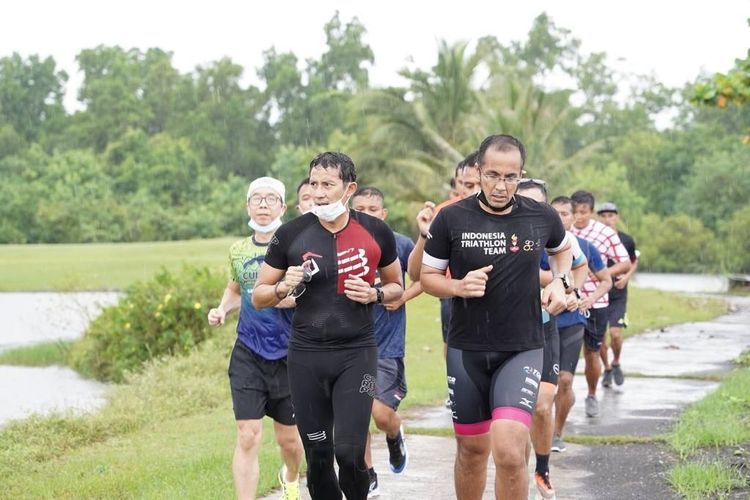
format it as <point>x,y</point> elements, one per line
<point>674,41</point>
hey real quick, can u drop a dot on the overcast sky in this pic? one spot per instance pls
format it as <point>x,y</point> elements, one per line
<point>673,40</point>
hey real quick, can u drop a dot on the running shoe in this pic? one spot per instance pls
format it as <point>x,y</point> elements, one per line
<point>289,490</point>
<point>558,444</point>
<point>398,456</point>
<point>592,406</point>
<point>607,378</point>
<point>543,486</point>
<point>374,490</point>
<point>618,375</point>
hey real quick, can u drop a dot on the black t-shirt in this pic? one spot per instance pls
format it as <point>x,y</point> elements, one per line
<point>464,238</point>
<point>629,244</point>
<point>324,317</point>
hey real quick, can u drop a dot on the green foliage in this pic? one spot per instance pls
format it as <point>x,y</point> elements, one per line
<point>164,316</point>
<point>31,93</point>
<point>720,419</point>
<point>159,154</point>
<point>737,237</point>
<point>699,480</point>
<point>39,354</point>
<point>677,243</point>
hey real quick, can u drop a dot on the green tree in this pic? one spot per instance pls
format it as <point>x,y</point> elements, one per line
<point>31,93</point>
<point>736,233</point>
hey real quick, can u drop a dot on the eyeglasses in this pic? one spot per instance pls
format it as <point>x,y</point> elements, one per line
<point>306,278</point>
<point>271,200</point>
<point>495,178</point>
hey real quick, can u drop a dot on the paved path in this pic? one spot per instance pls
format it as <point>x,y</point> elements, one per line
<point>641,407</point>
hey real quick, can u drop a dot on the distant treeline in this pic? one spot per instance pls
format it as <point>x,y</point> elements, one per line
<point>156,154</point>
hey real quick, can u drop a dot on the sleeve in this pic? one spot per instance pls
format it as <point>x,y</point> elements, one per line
<point>232,273</point>
<point>276,255</point>
<point>578,256</point>
<point>615,249</point>
<point>437,248</point>
<point>387,243</point>
<point>558,237</point>
<point>596,263</point>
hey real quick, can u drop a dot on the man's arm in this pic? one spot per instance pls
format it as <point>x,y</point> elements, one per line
<point>553,295</point>
<point>414,290</point>
<point>605,283</point>
<point>360,291</point>
<point>230,302</point>
<point>273,285</point>
<point>424,219</point>
<point>623,279</point>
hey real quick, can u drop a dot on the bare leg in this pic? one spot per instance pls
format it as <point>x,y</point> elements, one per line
<point>542,423</point>
<point>564,400</point>
<point>593,370</point>
<point>290,446</point>
<point>470,469</point>
<point>245,463</point>
<point>509,439</point>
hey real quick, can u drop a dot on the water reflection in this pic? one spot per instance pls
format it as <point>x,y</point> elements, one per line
<point>30,318</point>
<point>25,391</point>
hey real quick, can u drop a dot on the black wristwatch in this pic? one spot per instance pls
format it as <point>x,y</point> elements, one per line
<point>380,296</point>
<point>564,278</point>
<point>577,293</point>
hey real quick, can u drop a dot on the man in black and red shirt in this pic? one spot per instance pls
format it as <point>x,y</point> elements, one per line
<point>492,244</point>
<point>327,259</point>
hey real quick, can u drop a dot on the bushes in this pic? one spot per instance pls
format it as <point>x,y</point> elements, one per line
<point>166,315</point>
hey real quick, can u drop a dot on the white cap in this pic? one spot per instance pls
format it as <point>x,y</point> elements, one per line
<point>267,182</point>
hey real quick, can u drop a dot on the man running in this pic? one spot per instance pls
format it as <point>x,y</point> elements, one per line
<point>257,368</point>
<point>327,259</point>
<point>492,243</point>
<point>618,299</point>
<point>542,424</point>
<point>608,244</point>
<point>390,335</point>
<point>571,324</point>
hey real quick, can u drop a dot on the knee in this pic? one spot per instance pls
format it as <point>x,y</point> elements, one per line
<point>565,382</point>
<point>248,436</point>
<point>543,409</point>
<point>382,416</point>
<point>349,455</point>
<point>469,451</point>
<point>289,441</point>
<point>508,457</point>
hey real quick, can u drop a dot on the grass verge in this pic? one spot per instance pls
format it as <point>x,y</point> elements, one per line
<point>41,354</point>
<point>696,480</point>
<point>99,266</point>
<point>720,419</point>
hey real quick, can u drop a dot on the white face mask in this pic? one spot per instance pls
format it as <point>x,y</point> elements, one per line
<point>330,212</point>
<point>268,228</point>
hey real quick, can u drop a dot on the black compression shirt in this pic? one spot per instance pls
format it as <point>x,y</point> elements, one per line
<point>324,316</point>
<point>464,238</point>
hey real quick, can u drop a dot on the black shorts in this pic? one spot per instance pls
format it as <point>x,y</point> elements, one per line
<point>596,326</point>
<point>617,311</point>
<point>259,386</point>
<point>571,338</point>
<point>445,317</point>
<point>390,388</point>
<point>486,386</point>
<point>551,364</point>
